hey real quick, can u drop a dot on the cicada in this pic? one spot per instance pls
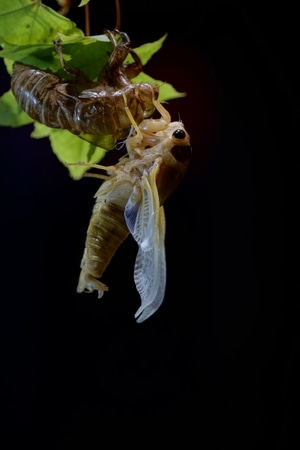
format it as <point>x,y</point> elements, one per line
<point>95,111</point>
<point>130,200</point>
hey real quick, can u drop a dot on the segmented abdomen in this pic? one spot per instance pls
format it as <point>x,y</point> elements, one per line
<point>106,231</point>
<point>35,92</point>
<point>90,108</point>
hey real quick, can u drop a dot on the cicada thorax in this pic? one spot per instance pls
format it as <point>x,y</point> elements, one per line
<point>82,106</point>
<point>171,144</point>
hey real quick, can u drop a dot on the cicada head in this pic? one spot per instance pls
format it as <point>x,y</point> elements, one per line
<point>176,152</point>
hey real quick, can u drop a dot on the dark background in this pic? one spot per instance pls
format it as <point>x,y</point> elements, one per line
<point>220,359</point>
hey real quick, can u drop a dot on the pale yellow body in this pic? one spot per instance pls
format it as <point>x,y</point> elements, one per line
<point>106,231</point>
<point>130,201</point>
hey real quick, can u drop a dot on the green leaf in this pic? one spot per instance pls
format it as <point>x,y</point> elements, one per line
<point>29,21</point>
<point>11,114</point>
<point>166,90</point>
<point>70,149</point>
<point>106,141</point>
<point>89,55</point>
<point>146,51</point>
<point>9,65</point>
<point>83,2</point>
<point>42,56</point>
<point>40,131</point>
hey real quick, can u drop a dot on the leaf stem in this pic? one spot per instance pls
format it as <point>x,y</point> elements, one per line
<point>118,15</point>
<point>87,19</point>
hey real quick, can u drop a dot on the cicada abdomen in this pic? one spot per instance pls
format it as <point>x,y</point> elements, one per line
<point>83,107</point>
<point>131,201</point>
<point>106,231</point>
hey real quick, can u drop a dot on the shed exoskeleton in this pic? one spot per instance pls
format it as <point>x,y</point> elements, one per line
<point>91,110</point>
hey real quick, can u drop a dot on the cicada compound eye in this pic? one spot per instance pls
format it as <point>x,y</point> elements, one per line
<point>179,134</point>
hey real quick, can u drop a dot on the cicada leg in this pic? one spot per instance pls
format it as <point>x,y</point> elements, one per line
<point>119,52</point>
<point>94,166</point>
<point>133,69</point>
<point>88,283</point>
<point>150,126</point>
<point>147,129</point>
<point>70,71</point>
<point>139,134</point>
<point>120,72</point>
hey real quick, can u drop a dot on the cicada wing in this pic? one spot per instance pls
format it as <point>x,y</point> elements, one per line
<point>145,220</point>
<point>150,277</point>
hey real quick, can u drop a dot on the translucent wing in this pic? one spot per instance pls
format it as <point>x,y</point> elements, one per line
<point>145,220</point>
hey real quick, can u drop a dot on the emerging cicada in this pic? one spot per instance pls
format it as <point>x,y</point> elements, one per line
<point>95,111</point>
<point>130,201</point>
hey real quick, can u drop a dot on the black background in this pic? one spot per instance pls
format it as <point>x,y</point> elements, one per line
<point>218,363</point>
